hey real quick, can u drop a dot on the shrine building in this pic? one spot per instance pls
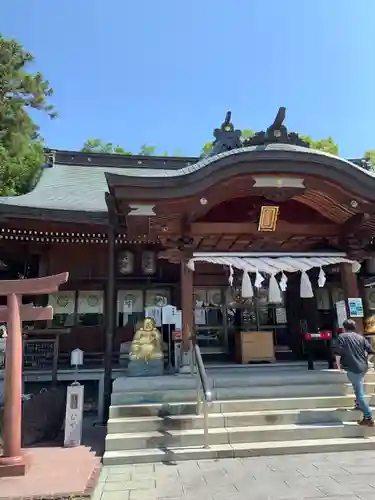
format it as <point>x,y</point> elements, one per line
<point>263,235</point>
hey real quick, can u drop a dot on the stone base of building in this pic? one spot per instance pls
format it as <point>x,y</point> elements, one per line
<point>139,368</point>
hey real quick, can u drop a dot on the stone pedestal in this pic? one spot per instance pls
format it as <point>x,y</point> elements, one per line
<point>186,365</point>
<point>139,368</point>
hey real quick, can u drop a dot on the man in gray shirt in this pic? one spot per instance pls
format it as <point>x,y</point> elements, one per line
<point>352,354</point>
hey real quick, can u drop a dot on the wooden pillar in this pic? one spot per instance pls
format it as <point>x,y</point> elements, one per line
<point>110,323</point>
<point>13,389</point>
<point>349,282</point>
<point>187,305</point>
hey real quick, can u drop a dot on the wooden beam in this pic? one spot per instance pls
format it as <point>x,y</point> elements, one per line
<point>29,313</point>
<point>226,241</point>
<point>353,224</point>
<point>247,228</point>
<point>33,286</point>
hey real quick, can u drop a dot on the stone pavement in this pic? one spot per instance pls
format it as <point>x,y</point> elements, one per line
<point>330,476</point>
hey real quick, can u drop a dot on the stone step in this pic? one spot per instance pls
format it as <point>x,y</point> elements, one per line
<point>171,455</point>
<point>242,405</point>
<point>153,396</point>
<point>272,384</point>
<point>177,396</point>
<point>268,392</point>
<point>299,403</point>
<point>232,435</point>
<point>153,409</point>
<point>245,379</point>
<point>232,419</point>
<point>289,391</point>
<point>240,377</point>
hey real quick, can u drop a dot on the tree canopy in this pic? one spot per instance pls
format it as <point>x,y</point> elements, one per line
<point>327,145</point>
<point>370,156</point>
<point>98,146</point>
<point>21,146</point>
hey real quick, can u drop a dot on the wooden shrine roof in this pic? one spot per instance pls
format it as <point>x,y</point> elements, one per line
<point>69,192</point>
<point>79,187</point>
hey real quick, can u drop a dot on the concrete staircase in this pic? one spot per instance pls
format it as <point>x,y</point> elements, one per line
<point>256,411</point>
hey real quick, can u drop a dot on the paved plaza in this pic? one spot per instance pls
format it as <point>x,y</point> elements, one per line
<point>331,476</point>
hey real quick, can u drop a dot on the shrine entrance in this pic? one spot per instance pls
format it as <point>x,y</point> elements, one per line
<point>266,199</point>
<point>274,296</point>
<point>220,312</point>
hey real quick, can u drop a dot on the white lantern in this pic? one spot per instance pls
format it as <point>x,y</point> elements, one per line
<point>126,262</point>
<point>148,262</point>
<point>76,358</point>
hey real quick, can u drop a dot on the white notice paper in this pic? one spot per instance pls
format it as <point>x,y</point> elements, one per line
<point>341,312</point>
<point>355,307</point>
<point>73,415</point>
<point>127,306</point>
<point>155,314</point>
<point>281,315</point>
<point>178,320</point>
<point>200,316</point>
<point>168,315</point>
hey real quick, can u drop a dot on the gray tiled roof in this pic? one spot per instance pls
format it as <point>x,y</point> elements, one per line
<point>74,187</point>
<point>71,188</point>
<point>80,190</point>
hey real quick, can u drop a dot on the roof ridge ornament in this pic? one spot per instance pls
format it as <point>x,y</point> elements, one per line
<point>275,133</point>
<point>226,137</point>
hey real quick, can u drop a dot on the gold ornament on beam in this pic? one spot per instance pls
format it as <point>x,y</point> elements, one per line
<point>268,218</point>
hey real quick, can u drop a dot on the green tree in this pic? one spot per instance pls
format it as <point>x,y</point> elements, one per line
<point>147,150</point>
<point>327,145</point>
<point>21,146</point>
<point>98,146</point>
<point>206,148</point>
<point>370,156</point>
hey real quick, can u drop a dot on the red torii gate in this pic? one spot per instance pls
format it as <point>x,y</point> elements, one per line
<point>12,462</point>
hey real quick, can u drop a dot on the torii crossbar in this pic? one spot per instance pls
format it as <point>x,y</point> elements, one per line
<point>12,462</point>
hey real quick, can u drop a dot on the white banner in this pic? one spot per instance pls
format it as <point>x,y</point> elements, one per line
<point>90,302</point>
<point>62,302</point>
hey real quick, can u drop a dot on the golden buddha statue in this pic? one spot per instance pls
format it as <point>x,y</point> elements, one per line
<point>369,324</point>
<point>147,343</point>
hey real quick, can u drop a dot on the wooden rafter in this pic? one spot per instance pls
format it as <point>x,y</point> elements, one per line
<point>248,228</point>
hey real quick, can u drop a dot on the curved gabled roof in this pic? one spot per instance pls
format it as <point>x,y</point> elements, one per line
<point>277,158</point>
<point>74,192</point>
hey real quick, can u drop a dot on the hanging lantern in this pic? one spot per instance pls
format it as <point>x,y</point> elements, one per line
<point>148,262</point>
<point>126,262</point>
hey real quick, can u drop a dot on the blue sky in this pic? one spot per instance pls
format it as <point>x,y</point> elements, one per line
<point>165,72</point>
